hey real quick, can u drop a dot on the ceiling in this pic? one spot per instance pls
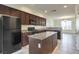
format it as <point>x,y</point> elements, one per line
<point>59,9</point>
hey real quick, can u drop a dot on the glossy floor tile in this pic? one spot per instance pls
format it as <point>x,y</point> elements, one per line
<point>69,44</point>
<point>23,50</point>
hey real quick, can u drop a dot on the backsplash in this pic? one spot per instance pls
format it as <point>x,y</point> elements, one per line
<point>25,27</point>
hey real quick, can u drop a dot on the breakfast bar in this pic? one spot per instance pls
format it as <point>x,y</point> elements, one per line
<point>42,43</point>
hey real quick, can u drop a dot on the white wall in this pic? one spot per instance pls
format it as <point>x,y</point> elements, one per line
<point>77,23</point>
<point>49,21</point>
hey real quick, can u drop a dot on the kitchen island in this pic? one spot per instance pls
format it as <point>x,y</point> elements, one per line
<point>42,43</point>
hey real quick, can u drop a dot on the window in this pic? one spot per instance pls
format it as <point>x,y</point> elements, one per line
<point>66,25</point>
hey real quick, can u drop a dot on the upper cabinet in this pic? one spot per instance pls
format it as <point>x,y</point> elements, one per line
<point>14,12</point>
<point>32,20</point>
<point>43,22</point>
<point>4,10</point>
<point>26,18</point>
<point>36,20</point>
<point>40,21</point>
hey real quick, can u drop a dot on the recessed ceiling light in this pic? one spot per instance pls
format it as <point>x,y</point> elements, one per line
<point>65,6</point>
<point>45,11</point>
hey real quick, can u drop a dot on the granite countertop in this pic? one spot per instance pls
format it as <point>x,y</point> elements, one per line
<point>23,31</point>
<point>42,35</point>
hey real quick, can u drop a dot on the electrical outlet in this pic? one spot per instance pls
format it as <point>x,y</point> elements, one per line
<point>39,45</point>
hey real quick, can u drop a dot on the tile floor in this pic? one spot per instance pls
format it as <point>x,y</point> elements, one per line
<point>24,50</point>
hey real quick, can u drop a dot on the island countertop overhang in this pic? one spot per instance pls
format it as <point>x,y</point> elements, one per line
<point>42,35</point>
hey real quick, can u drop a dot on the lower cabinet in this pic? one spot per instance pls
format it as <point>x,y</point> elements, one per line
<point>45,46</point>
<point>24,39</point>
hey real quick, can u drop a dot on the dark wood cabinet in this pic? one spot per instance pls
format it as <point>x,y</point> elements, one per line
<point>24,18</point>
<point>40,21</point>
<point>43,21</point>
<point>43,45</point>
<point>14,12</point>
<point>27,18</point>
<point>24,39</point>
<point>32,20</point>
<point>37,21</point>
<point>4,10</point>
<point>33,46</point>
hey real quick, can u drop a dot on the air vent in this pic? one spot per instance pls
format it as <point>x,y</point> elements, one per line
<point>53,11</point>
<point>78,13</point>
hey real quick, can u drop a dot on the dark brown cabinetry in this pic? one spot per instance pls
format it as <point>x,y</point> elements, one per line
<point>14,12</point>
<point>27,19</point>
<point>44,22</point>
<point>32,19</point>
<point>24,18</point>
<point>35,20</point>
<point>24,39</point>
<point>4,10</point>
<point>42,45</point>
<point>40,21</point>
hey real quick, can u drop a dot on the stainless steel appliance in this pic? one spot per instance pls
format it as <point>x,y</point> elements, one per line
<point>10,34</point>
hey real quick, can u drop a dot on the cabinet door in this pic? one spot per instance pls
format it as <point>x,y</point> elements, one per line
<point>24,39</point>
<point>40,21</point>
<point>34,46</point>
<point>32,20</point>
<point>37,21</point>
<point>1,9</point>
<point>4,9</point>
<point>14,12</point>
<point>24,18</point>
<point>54,41</point>
<point>43,22</point>
<point>27,18</point>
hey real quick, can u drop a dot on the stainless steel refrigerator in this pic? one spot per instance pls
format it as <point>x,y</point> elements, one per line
<point>10,34</point>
